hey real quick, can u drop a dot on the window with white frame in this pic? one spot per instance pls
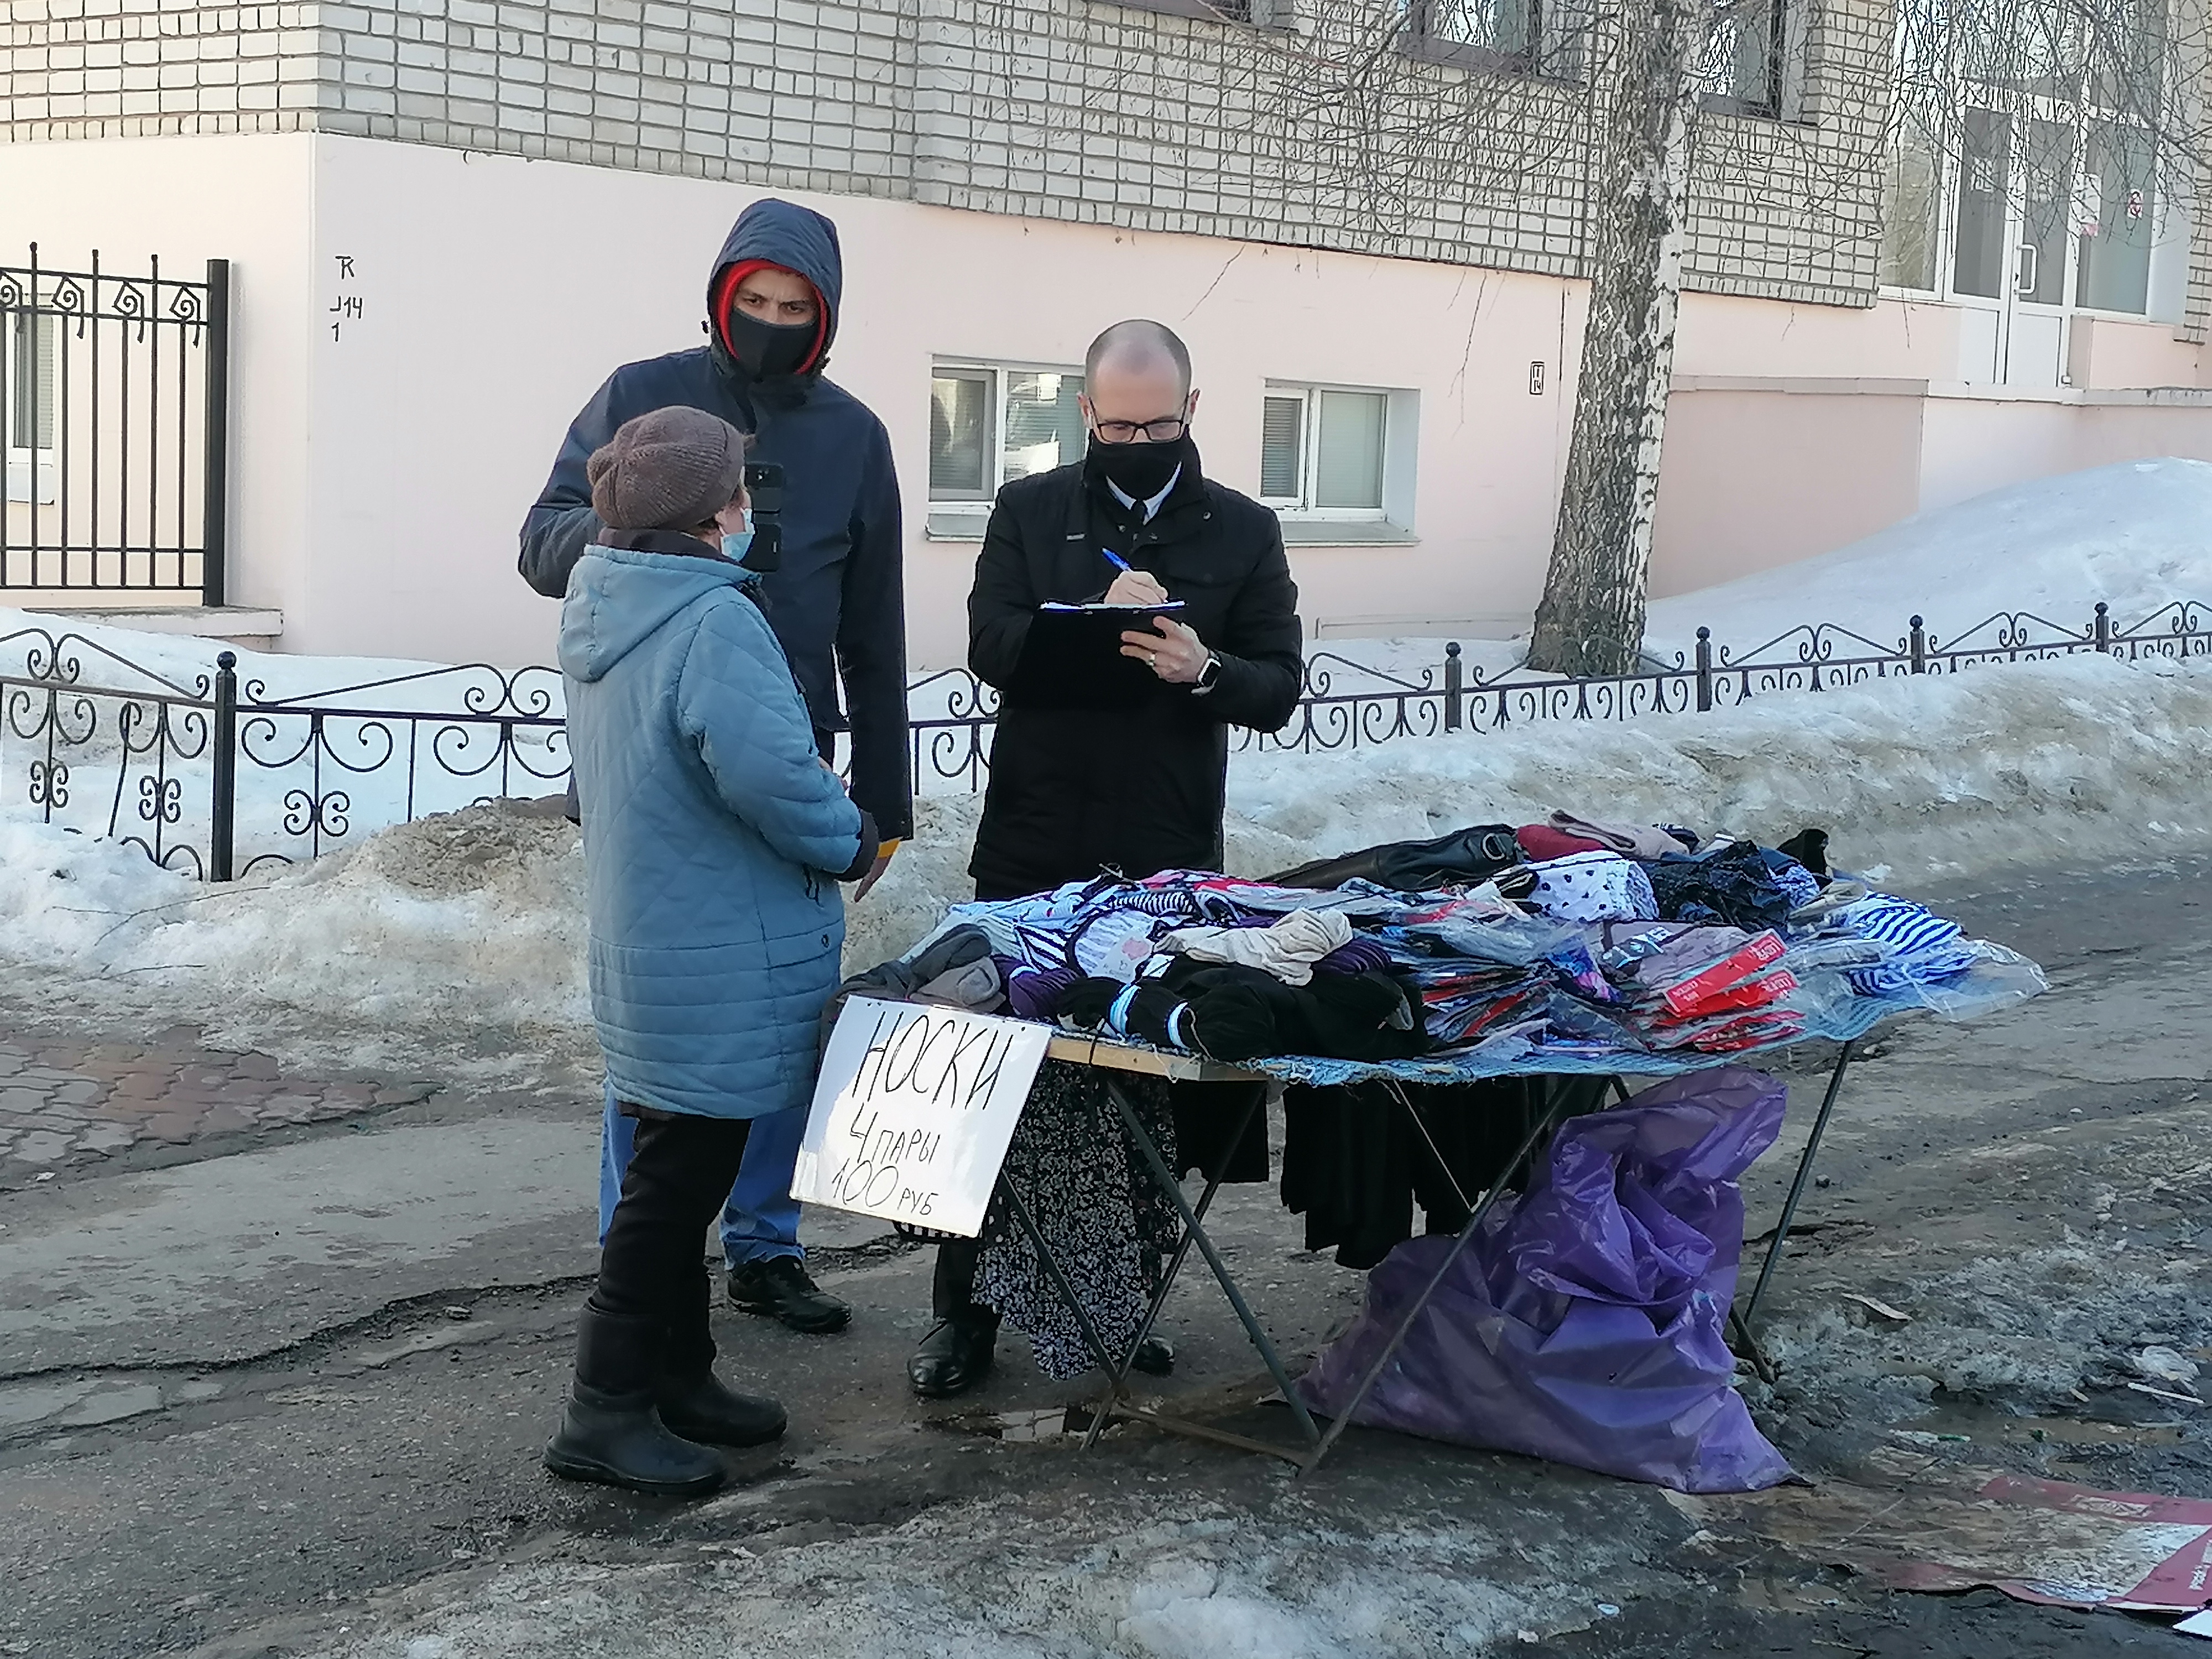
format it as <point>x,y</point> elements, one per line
<point>1912,211</point>
<point>990,423</point>
<point>2023,166</point>
<point>1323,449</point>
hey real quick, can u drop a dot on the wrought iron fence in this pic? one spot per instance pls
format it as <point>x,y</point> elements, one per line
<point>211,776</point>
<point>114,394</point>
<point>1349,705</point>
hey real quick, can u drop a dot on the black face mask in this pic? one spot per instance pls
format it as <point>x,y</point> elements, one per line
<point>765,351</point>
<point>1140,471</point>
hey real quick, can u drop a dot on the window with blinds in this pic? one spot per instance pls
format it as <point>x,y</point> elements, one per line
<point>990,424</point>
<point>1322,450</point>
<point>30,378</point>
<point>962,427</point>
<point>1282,447</point>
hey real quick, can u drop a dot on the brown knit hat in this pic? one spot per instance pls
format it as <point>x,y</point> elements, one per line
<point>673,468</point>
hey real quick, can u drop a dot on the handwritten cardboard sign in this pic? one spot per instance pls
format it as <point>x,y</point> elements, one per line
<point>913,1110</point>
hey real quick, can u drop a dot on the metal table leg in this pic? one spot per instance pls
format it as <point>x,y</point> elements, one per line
<point>1117,1402</point>
<point>1796,1191</point>
<point>1536,1132</point>
<point>1195,1229</point>
<point>1097,1346</point>
<point>1117,1376</point>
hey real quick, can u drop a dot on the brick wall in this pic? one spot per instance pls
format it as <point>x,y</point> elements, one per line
<point>86,69</point>
<point>1323,134</point>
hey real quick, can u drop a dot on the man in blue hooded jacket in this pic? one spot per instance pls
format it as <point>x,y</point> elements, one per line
<point>837,605</point>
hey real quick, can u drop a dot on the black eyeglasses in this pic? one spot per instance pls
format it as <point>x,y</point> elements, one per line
<point>1155,432</point>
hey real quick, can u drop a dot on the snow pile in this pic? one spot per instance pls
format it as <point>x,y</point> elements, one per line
<point>473,919</point>
<point>1937,776</point>
<point>428,930</point>
<point>2132,535</point>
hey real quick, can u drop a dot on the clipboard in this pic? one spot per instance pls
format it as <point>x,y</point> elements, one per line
<point>1072,657</point>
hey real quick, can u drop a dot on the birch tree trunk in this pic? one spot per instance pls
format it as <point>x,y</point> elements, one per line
<point>1591,619</point>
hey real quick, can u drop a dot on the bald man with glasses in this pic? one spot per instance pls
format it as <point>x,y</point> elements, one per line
<point>1135,788</point>
<point>1138,788</point>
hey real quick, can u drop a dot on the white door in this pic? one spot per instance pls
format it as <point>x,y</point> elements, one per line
<point>2012,248</point>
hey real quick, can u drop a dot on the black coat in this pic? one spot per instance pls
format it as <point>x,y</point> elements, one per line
<point>837,604</point>
<point>1137,789</point>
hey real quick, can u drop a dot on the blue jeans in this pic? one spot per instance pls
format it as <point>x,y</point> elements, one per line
<point>760,1219</point>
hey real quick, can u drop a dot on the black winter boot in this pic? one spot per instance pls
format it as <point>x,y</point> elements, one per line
<point>699,1407</point>
<point>693,1401</point>
<point>611,1432</point>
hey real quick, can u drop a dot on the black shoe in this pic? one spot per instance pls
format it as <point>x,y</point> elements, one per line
<point>953,1358</point>
<point>778,1285</point>
<point>619,1440</point>
<point>1155,1356</point>
<point>702,1409</point>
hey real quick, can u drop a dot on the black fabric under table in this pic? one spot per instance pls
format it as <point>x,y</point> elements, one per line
<point>1355,1167</point>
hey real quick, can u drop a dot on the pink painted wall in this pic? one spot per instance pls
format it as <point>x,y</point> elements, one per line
<point>1753,478</point>
<point>2104,351</point>
<point>495,298</point>
<point>1723,335</point>
<point>1974,444</point>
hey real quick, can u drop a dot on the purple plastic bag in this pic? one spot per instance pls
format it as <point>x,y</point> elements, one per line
<point>1585,1323</point>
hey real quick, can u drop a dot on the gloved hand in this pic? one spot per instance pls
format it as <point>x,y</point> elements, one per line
<point>882,863</point>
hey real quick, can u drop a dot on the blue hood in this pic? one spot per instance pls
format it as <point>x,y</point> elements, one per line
<point>798,239</point>
<point>618,597</point>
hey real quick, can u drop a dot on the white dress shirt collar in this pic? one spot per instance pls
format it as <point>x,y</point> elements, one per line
<point>1151,506</point>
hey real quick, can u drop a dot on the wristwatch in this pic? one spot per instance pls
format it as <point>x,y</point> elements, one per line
<point>1209,672</point>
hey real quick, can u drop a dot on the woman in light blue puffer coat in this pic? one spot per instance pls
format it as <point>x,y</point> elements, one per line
<point>714,838</point>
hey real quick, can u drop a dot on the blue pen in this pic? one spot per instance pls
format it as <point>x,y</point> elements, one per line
<point>1117,560</point>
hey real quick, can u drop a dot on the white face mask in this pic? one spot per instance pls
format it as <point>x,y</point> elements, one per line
<point>738,544</point>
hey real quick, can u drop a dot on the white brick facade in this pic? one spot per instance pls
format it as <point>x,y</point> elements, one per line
<point>1056,109</point>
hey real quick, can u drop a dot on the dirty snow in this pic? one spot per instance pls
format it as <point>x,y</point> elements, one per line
<point>1149,1575</point>
<point>426,933</point>
<point>2024,1327</point>
<point>473,920</point>
<point>1930,775</point>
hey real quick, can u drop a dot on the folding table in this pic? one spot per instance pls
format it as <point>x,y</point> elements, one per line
<point>1114,1060</point>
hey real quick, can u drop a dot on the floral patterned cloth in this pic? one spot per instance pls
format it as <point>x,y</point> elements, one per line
<point>1105,1219</point>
